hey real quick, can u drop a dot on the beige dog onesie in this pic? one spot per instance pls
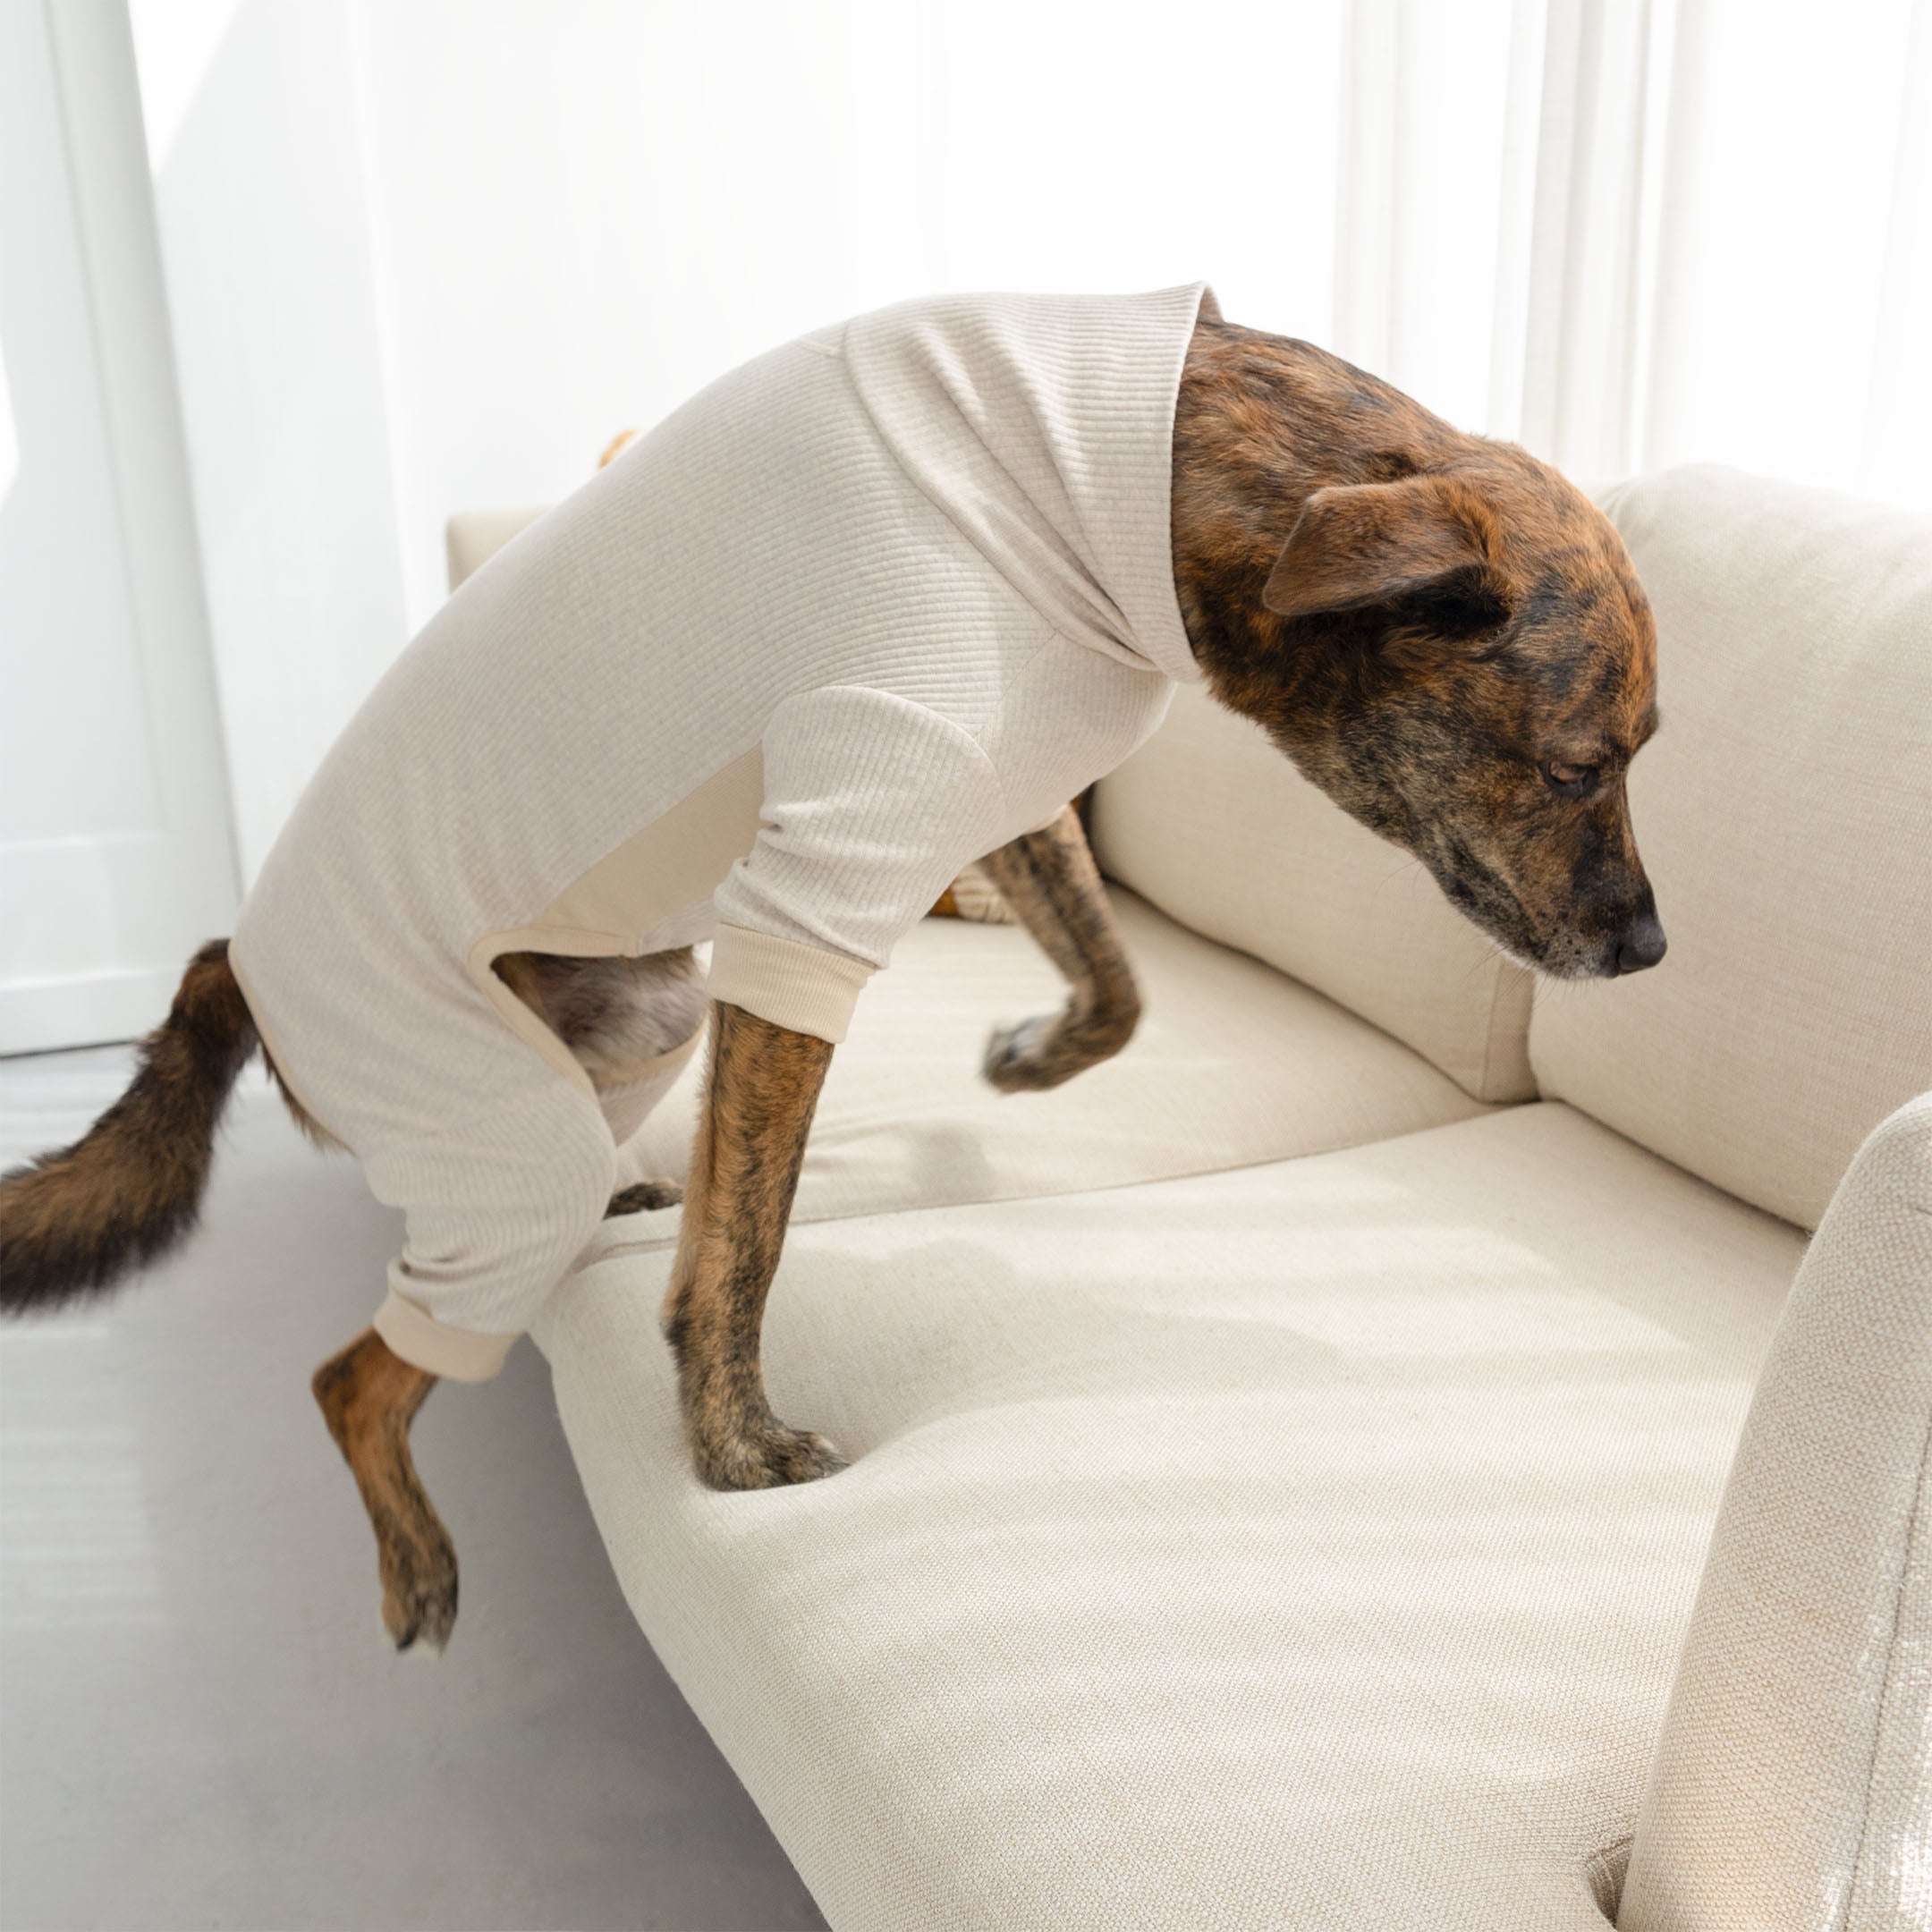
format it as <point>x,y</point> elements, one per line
<point>861,611</point>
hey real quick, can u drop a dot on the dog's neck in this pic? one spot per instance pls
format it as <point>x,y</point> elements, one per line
<point>1261,423</point>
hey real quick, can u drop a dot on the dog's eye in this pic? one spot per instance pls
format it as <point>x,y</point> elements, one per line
<point>1571,779</point>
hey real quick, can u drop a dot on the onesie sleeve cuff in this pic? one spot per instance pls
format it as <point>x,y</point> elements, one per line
<point>804,988</point>
<point>420,1339</point>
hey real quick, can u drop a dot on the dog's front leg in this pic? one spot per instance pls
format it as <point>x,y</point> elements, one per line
<point>369,1396</point>
<point>763,1086</point>
<point>1049,879</point>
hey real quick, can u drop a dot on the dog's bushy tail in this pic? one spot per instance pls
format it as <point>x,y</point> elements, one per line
<point>72,1223</point>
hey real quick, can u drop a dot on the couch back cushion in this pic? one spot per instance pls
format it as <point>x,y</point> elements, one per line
<point>1215,825</point>
<point>1785,812</point>
<point>472,537</point>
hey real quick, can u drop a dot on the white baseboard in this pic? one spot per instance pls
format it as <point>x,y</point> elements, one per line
<point>90,1010</point>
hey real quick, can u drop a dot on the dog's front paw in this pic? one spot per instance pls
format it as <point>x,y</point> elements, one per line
<point>1021,1059</point>
<point>418,1580</point>
<point>768,1457</point>
<point>643,1195</point>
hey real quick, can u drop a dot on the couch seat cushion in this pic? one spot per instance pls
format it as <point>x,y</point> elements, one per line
<point>1233,1064</point>
<point>1307,1544</point>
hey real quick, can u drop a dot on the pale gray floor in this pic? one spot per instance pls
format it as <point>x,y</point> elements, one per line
<point>199,1723</point>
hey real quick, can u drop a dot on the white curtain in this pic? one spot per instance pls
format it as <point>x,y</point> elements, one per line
<point>1638,232</point>
<point>426,255</point>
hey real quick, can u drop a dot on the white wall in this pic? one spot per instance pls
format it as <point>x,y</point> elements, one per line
<point>429,255</point>
<point>256,152</point>
<point>584,212</point>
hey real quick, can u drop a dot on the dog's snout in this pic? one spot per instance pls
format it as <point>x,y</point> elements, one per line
<point>1642,944</point>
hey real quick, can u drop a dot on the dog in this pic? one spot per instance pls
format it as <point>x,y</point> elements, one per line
<point>1437,630</point>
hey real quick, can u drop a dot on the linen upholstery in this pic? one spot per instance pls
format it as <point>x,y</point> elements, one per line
<point>1232,1064</point>
<point>1312,1543</point>
<point>1792,1785</point>
<point>1304,1546</point>
<point>1785,811</point>
<point>1213,825</point>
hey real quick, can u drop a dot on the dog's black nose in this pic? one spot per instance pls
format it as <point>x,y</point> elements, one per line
<point>1642,945</point>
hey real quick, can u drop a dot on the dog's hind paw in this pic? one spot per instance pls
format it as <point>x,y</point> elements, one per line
<point>644,1195</point>
<point>417,1647</point>
<point>419,1601</point>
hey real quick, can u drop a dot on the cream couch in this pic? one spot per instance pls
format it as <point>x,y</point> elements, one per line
<point>1289,1463</point>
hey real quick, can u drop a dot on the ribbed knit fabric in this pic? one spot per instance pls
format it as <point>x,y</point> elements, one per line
<point>861,611</point>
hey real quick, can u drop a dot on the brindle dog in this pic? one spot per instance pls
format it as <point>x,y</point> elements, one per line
<point>1439,631</point>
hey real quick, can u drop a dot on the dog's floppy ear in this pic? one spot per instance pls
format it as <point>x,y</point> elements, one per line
<point>1360,544</point>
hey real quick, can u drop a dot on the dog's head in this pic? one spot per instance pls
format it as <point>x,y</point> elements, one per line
<point>1483,667</point>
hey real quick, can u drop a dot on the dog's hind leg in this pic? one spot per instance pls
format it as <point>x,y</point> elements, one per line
<point>369,1397</point>
<point>1049,879</point>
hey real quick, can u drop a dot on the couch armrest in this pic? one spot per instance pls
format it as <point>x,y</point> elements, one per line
<point>472,537</point>
<point>1793,1784</point>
